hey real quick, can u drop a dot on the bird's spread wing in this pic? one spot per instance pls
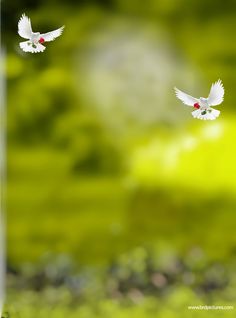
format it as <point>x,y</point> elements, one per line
<point>24,27</point>
<point>216,95</point>
<point>185,98</point>
<point>50,36</point>
<point>27,46</point>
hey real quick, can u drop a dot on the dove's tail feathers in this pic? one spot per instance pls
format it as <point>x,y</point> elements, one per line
<point>27,46</point>
<point>206,115</point>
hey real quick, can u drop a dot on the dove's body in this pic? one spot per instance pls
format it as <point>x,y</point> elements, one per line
<point>33,42</point>
<point>203,105</point>
<point>34,39</point>
<point>203,102</point>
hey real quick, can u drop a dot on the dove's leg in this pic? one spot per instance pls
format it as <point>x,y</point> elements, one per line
<point>39,48</point>
<point>196,113</point>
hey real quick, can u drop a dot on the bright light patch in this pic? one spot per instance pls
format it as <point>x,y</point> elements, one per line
<point>128,74</point>
<point>171,155</point>
<point>213,131</point>
<point>189,143</point>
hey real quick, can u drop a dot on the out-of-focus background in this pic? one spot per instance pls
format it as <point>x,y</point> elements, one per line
<point>119,203</point>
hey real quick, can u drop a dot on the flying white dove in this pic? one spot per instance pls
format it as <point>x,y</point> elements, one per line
<point>203,105</point>
<point>35,40</point>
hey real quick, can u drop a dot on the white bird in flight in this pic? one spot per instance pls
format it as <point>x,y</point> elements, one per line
<point>35,40</point>
<point>203,109</point>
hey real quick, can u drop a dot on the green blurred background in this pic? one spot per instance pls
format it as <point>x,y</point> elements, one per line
<point>119,204</point>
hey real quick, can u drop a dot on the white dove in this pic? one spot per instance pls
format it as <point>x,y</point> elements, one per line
<point>34,39</point>
<point>203,105</point>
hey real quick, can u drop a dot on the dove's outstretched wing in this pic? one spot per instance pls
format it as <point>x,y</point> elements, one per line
<point>216,95</point>
<point>50,36</point>
<point>24,27</point>
<point>185,98</point>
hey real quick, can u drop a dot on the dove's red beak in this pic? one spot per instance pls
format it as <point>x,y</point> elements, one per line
<point>41,40</point>
<point>196,105</point>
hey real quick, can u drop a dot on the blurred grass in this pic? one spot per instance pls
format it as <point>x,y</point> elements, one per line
<point>175,307</point>
<point>82,209</point>
<point>73,212</point>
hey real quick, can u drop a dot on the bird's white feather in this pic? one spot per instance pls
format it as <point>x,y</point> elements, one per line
<point>24,27</point>
<point>50,36</point>
<point>185,98</point>
<point>216,95</point>
<point>206,116</point>
<point>26,46</point>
